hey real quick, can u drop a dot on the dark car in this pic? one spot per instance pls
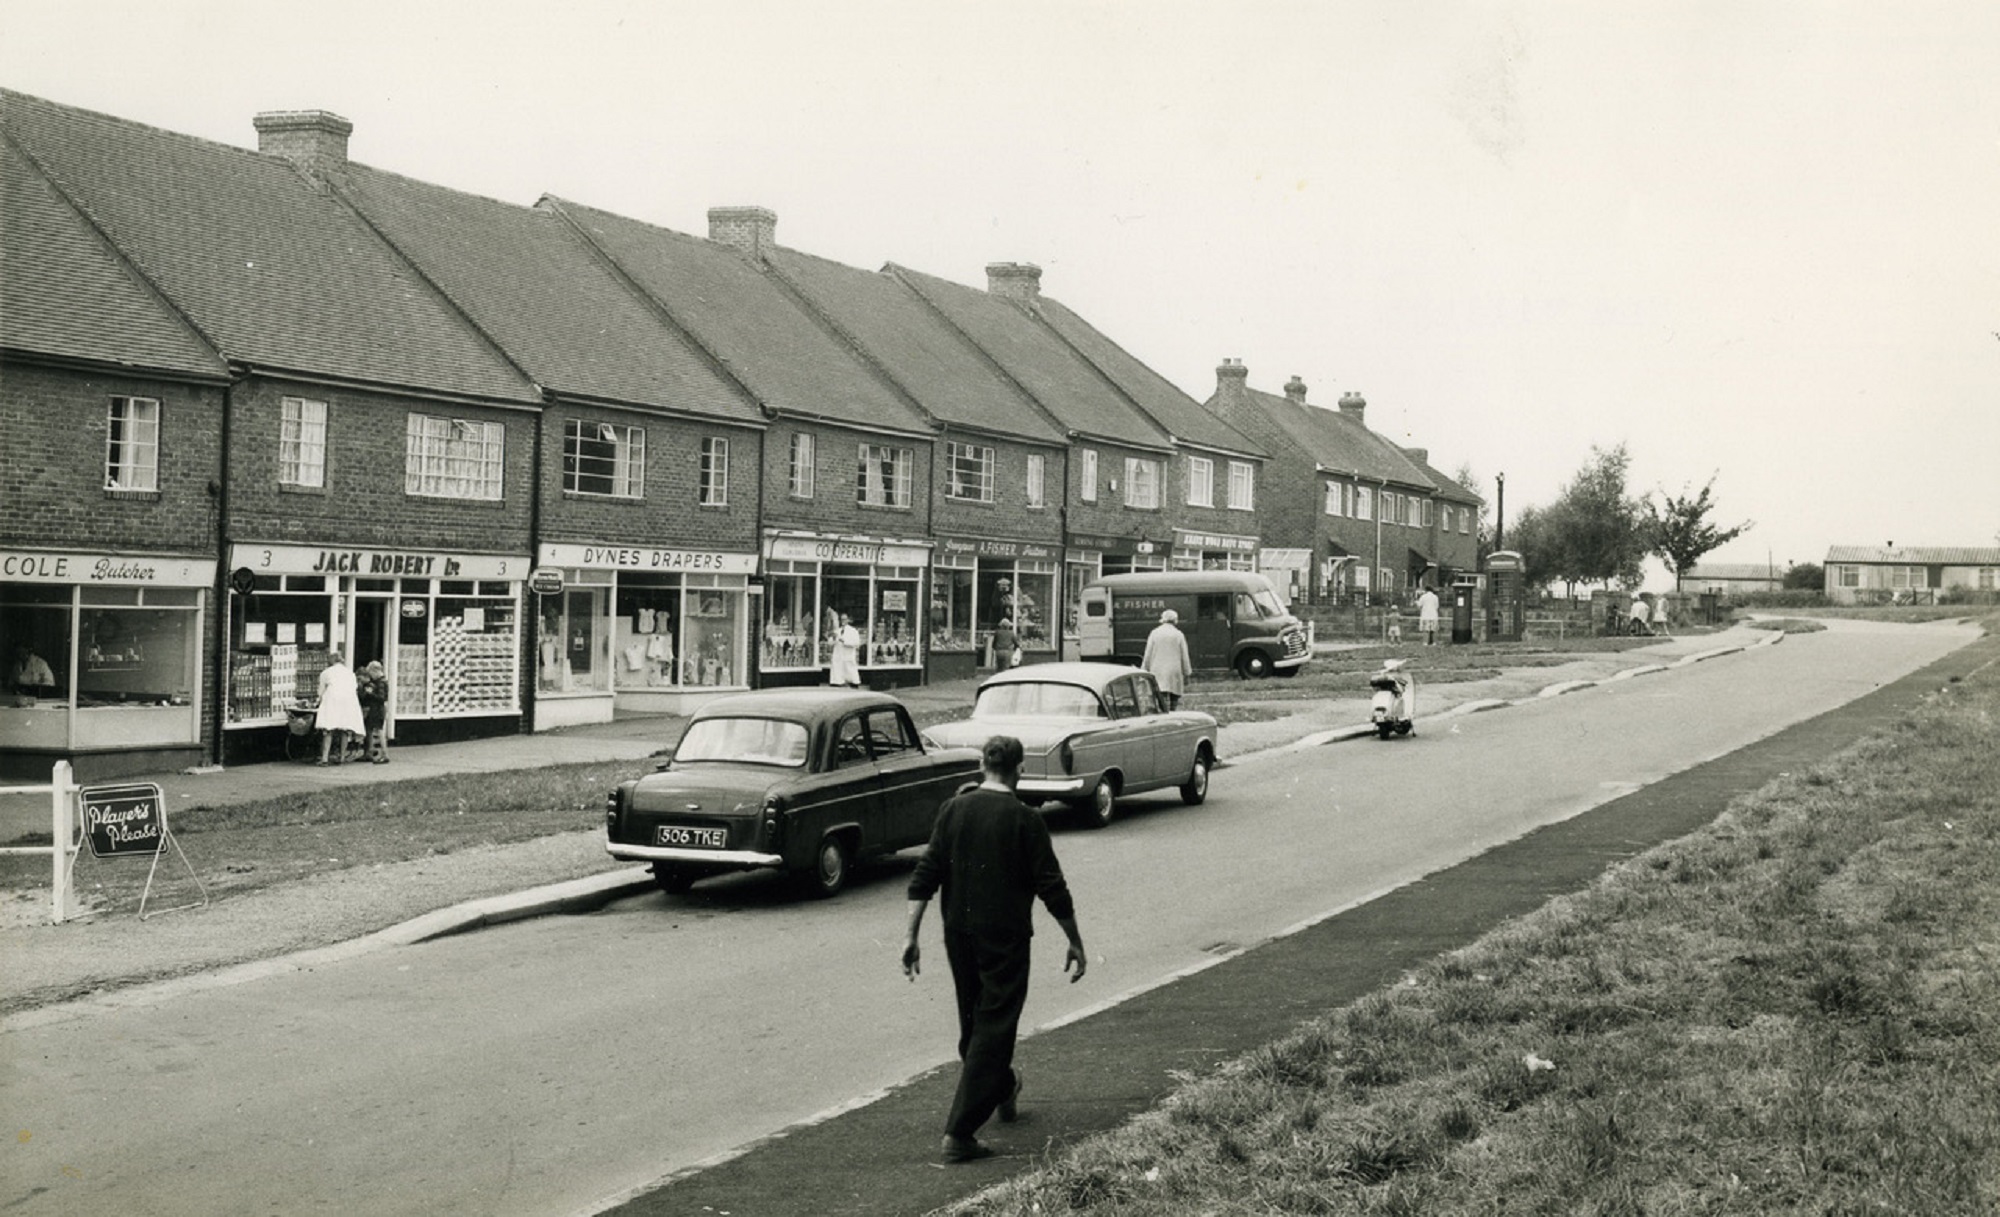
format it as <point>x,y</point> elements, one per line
<point>803,781</point>
<point>1093,732</point>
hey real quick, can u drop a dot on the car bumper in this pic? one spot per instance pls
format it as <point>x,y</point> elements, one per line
<point>1053,788</point>
<point>1291,661</point>
<point>706,857</point>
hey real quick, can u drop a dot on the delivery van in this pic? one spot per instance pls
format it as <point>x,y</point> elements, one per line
<point>1232,619</point>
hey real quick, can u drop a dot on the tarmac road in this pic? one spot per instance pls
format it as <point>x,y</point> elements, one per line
<point>493,1101</point>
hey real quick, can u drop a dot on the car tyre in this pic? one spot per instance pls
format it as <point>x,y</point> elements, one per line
<point>833,862</point>
<point>1253,665</point>
<point>1101,807</point>
<point>1195,791</point>
<point>1385,730</point>
<point>673,880</point>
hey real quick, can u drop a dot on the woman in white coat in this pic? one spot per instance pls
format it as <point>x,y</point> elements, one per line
<point>339,714</point>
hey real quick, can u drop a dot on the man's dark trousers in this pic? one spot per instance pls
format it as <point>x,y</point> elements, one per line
<point>990,974</point>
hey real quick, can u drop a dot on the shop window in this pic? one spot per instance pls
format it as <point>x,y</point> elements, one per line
<point>1037,490</point>
<point>1142,483</point>
<point>454,458</point>
<point>711,653</point>
<point>302,443</point>
<point>646,632</point>
<point>1201,482</point>
<point>35,641</point>
<point>891,626</point>
<point>128,676</point>
<point>791,620</point>
<point>969,472</point>
<point>714,471</point>
<point>603,459</point>
<point>574,651</point>
<point>1242,486</point>
<point>951,609</point>
<point>132,444</point>
<point>802,466</point>
<point>884,477</point>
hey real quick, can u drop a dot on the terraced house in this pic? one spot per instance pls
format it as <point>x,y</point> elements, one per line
<point>543,461</point>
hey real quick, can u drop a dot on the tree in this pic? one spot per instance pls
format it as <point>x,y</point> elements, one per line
<point>1679,531</point>
<point>1806,576</point>
<point>1594,532</point>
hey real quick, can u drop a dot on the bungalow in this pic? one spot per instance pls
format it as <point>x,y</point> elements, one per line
<point>1872,574</point>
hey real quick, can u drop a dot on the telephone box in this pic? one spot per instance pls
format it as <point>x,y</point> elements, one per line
<point>1506,596</point>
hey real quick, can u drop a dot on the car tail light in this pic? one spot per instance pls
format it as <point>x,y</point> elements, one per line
<point>614,802</point>
<point>1067,755</point>
<point>774,821</point>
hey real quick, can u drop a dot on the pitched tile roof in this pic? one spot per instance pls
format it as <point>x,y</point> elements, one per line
<point>64,292</point>
<point>1734,570</point>
<point>766,339</point>
<point>530,281</point>
<point>916,347</point>
<point>1448,487</point>
<point>1917,555</point>
<point>1336,442</point>
<point>1182,416</point>
<point>1066,385</point>
<point>275,271</point>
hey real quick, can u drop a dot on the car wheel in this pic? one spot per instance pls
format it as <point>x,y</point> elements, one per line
<point>1195,791</point>
<point>831,865</point>
<point>1098,810</point>
<point>1253,665</point>
<point>673,880</point>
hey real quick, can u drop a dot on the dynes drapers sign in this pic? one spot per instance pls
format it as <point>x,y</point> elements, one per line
<point>643,558</point>
<point>22,566</point>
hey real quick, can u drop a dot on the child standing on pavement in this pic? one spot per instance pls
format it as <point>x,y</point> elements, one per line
<point>372,688</point>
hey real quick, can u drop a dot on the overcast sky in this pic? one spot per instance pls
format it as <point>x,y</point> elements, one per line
<point>1759,241</point>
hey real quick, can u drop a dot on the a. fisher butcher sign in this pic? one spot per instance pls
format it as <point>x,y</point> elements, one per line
<point>124,820</point>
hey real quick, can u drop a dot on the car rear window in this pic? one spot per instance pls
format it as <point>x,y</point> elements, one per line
<point>1036,697</point>
<point>748,741</point>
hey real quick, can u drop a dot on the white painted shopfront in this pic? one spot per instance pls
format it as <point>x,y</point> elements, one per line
<point>811,580</point>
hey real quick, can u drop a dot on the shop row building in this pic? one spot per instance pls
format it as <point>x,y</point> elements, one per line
<point>547,462</point>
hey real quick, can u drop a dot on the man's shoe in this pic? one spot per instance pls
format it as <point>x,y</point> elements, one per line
<point>1010,1110</point>
<point>965,1149</point>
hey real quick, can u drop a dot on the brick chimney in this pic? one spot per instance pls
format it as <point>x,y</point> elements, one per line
<point>1020,281</point>
<point>1295,391</point>
<point>1354,406</point>
<point>313,140</point>
<point>750,230</point>
<point>1231,381</point>
<point>1421,456</point>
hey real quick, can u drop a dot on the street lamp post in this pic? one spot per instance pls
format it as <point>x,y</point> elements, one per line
<point>1500,513</point>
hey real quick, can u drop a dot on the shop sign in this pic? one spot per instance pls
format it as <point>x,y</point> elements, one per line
<point>123,819</point>
<point>1116,545</point>
<point>385,563</point>
<point>642,558</point>
<point>831,549</point>
<point>989,547</point>
<point>1209,540</point>
<point>21,566</point>
<point>545,581</point>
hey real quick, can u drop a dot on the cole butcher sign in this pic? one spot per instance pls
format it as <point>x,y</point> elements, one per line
<point>388,563</point>
<point>23,566</point>
<point>641,558</point>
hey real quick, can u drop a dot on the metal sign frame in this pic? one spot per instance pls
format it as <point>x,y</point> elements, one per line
<point>114,819</point>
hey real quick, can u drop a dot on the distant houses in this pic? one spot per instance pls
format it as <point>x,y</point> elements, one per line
<point>1864,574</point>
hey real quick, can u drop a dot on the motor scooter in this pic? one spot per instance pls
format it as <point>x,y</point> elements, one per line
<point>1394,708</point>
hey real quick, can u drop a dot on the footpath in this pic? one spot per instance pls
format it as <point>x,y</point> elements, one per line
<point>115,960</point>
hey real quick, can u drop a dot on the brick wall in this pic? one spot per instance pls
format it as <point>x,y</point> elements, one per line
<point>52,492</point>
<point>670,515</point>
<point>1008,516</point>
<point>364,502</point>
<point>1219,518</point>
<point>836,461</point>
<point>1109,516</point>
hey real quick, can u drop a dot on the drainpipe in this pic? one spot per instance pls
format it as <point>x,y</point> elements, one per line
<point>530,598</point>
<point>218,697</point>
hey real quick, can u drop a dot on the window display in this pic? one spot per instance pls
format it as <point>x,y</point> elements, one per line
<point>99,665</point>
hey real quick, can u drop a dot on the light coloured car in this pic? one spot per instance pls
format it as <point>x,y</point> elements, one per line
<point>1093,733</point>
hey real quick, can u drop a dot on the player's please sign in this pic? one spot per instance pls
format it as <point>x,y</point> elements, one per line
<point>122,820</point>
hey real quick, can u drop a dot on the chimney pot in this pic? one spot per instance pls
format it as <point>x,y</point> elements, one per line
<point>1014,280</point>
<point>1354,406</point>
<point>313,140</point>
<point>752,231</point>
<point>1295,391</point>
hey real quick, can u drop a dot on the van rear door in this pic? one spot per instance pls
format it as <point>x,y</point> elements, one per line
<point>1093,630</point>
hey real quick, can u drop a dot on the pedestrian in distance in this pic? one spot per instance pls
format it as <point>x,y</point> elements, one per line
<point>988,860</point>
<point>1166,657</point>
<point>1660,616</point>
<point>339,715</point>
<point>372,689</point>
<point>1427,616</point>
<point>1006,645</point>
<point>846,667</point>
<point>1640,614</point>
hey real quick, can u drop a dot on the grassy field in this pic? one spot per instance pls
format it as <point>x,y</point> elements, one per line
<point>1795,1010</point>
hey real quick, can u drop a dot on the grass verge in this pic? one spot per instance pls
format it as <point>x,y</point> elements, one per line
<point>1796,1009</point>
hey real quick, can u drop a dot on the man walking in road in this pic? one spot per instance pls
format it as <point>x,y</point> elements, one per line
<point>991,856</point>
<point>1167,659</point>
